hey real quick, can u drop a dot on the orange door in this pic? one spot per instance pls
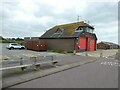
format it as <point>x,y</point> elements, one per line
<point>82,43</point>
<point>92,44</point>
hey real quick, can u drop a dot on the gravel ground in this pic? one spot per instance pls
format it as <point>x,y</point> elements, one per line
<point>15,54</point>
<point>63,59</point>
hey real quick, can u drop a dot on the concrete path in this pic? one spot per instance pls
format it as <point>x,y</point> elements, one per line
<point>105,53</point>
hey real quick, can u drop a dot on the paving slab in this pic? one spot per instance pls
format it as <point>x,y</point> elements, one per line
<point>105,53</point>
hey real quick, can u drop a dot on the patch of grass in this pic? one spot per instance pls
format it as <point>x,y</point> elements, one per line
<point>7,41</point>
<point>11,41</point>
<point>70,52</point>
<point>60,51</point>
<point>57,51</point>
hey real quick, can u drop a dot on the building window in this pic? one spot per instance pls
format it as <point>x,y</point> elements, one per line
<point>58,32</point>
<point>79,29</point>
<point>89,30</point>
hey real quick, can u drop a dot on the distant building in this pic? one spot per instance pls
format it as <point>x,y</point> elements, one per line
<point>107,45</point>
<point>70,37</point>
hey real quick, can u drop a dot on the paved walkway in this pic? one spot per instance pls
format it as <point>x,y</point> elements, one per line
<point>105,53</point>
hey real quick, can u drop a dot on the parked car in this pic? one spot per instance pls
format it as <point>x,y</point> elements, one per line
<point>15,46</point>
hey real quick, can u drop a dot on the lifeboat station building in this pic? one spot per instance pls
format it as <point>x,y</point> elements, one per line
<point>78,36</point>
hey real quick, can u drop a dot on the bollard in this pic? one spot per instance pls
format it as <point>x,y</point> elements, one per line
<point>86,54</point>
<point>74,52</point>
<point>52,58</point>
<point>21,63</point>
<point>34,59</point>
<point>116,56</point>
<point>101,54</point>
<point>36,67</point>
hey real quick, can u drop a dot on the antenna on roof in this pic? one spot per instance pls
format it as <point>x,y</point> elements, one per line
<point>30,36</point>
<point>88,22</point>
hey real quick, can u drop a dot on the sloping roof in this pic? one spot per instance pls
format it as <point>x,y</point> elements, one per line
<point>108,43</point>
<point>65,30</point>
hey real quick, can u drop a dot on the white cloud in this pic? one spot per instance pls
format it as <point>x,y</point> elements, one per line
<point>28,6</point>
<point>107,32</point>
<point>102,0</point>
<point>60,6</point>
<point>33,17</point>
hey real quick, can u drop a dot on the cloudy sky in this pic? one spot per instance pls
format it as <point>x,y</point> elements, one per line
<point>23,18</point>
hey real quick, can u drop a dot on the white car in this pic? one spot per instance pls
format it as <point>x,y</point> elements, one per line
<point>15,46</point>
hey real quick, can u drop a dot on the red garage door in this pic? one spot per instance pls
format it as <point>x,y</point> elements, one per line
<point>82,43</point>
<point>92,45</point>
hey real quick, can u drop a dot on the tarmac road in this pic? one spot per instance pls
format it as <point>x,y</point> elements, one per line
<point>92,75</point>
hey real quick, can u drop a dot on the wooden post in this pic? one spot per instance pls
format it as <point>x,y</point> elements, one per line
<point>21,63</point>
<point>74,52</point>
<point>86,54</point>
<point>117,56</point>
<point>101,54</point>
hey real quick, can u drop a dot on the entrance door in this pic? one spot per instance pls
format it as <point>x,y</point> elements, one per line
<point>92,45</point>
<point>82,44</point>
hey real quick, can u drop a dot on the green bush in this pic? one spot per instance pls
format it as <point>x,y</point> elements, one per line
<point>7,41</point>
<point>60,51</point>
<point>57,51</point>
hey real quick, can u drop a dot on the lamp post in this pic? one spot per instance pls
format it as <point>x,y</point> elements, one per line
<point>74,52</point>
